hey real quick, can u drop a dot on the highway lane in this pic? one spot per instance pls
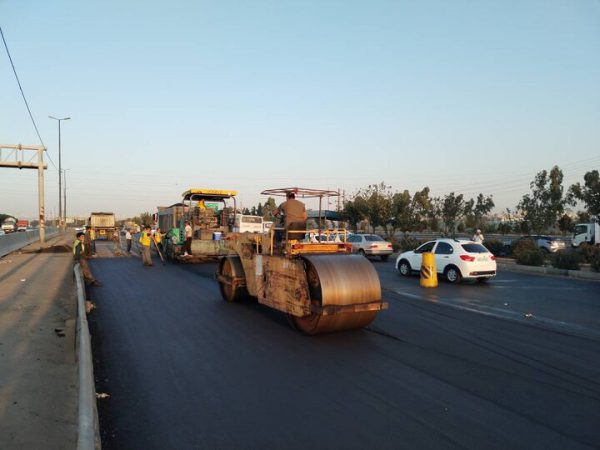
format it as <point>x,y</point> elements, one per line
<point>185,369</point>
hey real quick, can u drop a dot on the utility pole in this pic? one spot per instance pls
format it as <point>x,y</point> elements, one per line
<point>15,158</point>
<point>60,211</point>
<point>65,195</point>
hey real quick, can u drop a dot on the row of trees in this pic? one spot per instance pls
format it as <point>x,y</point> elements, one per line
<point>541,210</point>
<point>395,211</point>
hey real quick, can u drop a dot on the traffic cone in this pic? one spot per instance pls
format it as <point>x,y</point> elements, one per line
<point>428,271</point>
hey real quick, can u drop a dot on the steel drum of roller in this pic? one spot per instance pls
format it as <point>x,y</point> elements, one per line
<point>338,280</point>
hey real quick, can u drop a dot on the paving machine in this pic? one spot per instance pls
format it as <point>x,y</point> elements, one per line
<point>320,285</point>
<point>210,213</point>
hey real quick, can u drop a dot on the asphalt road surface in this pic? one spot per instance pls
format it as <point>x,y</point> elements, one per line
<point>448,368</point>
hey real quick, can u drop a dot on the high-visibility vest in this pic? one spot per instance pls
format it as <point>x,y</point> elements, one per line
<point>92,234</point>
<point>77,242</point>
<point>157,238</point>
<point>145,239</point>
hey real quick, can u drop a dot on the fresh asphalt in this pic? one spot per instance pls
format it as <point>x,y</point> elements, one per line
<point>514,363</point>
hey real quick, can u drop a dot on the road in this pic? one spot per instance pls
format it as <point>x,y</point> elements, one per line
<point>185,369</point>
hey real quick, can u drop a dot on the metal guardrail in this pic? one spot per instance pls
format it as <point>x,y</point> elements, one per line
<point>86,432</point>
<point>14,241</point>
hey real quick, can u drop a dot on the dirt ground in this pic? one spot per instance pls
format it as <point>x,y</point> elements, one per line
<point>38,369</point>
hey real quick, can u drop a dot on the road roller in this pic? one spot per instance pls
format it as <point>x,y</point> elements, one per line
<point>317,283</point>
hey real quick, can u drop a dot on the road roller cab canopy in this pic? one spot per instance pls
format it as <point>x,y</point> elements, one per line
<point>301,192</point>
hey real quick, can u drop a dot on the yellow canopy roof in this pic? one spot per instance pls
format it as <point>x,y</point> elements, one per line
<point>209,193</point>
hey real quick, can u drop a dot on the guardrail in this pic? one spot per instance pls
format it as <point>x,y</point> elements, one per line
<point>14,241</point>
<point>86,430</point>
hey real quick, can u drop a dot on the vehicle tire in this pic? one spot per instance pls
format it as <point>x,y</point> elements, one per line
<point>384,257</point>
<point>404,268</point>
<point>362,252</point>
<point>231,267</point>
<point>453,274</point>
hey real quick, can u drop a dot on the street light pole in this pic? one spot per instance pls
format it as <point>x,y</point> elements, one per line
<point>65,196</point>
<point>60,220</point>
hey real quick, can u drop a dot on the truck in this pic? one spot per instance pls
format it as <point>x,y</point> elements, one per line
<point>210,213</point>
<point>103,223</point>
<point>9,225</point>
<point>22,225</point>
<point>586,233</point>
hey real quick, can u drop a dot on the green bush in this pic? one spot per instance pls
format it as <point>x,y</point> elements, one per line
<point>495,246</point>
<point>589,252</point>
<point>595,263</point>
<point>408,243</point>
<point>566,260</point>
<point>527,252</point>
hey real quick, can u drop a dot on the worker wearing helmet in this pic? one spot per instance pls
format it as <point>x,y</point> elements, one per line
<point>295,216</point>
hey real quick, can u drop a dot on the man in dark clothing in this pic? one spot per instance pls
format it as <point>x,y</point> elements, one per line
<point>79,257</point>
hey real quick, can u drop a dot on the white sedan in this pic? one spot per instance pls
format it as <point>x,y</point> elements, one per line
<point>455,259</point>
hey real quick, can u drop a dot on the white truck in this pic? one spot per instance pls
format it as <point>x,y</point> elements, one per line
<point>587,233</point>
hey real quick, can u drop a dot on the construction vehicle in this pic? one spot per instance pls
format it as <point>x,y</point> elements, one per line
<point>103,223</point>
<point>319,285</point>
<point>586,233</point>
<point>22,225</point>
<point>211,216</point>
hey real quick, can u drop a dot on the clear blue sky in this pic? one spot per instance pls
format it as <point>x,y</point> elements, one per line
<point>464,96</point>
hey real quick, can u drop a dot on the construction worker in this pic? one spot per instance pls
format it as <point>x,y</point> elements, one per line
<point>188,238</point>
<point>93,239</point>
<point>478,236</point>
<point>158,240</point>
<point>145,241</point>
<point>79,257</point>
<point>128,240</point>
<point>88,241</point>
<point>295,216</point>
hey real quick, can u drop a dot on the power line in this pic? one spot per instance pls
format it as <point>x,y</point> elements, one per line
<point>23,95</point>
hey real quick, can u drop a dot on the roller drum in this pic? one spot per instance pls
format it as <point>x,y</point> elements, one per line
<point>339,280</point>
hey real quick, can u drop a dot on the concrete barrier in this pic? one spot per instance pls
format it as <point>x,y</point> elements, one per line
<point>87,430</point>
<point>14,241</point>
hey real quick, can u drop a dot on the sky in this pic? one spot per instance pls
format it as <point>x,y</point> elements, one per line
<point>463,96</point>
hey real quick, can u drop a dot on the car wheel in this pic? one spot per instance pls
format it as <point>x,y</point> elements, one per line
<point>453,275</point>
<point>362,252</point>
<point>384,257</point>
<point>404,268</point>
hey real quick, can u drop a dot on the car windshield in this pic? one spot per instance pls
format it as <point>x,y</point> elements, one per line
<point>580,229</point>
<point>474,248</point>
<point>372,238</point>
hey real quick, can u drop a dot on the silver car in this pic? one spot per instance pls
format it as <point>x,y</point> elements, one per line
<point>370,245</point>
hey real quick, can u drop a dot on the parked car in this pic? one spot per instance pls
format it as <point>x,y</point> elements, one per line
<point>370,245</point>
<point>547,243</point>
<point>454,259</point>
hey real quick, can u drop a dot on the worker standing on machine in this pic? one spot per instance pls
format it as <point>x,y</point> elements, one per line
<point>295,216</point>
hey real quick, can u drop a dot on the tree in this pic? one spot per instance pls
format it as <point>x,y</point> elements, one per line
<point>4,216</point>
<point>452,208</point>
<point>409,213</point>
<point>475,211</point>
<point>146,219</point>
<point>565,224</point>
<point>355,210</point>
<point>589,193</point>
<point>546,203</point>
<point>379,210</point>
<point>268,209</point>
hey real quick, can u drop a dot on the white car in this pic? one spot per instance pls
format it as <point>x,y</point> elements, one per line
<point>370,245</point>
<point>455,259</point>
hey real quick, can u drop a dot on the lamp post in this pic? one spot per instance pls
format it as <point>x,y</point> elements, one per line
<point>65,196</point>
<point>59,171</point>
